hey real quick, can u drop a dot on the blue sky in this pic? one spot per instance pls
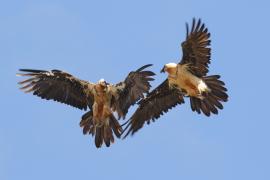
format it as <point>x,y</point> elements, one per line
<point>107,39</point>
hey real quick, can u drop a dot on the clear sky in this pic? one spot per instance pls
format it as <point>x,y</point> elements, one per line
<point>106,39</point>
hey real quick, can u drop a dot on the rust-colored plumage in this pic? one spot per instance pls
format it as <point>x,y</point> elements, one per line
<point>101,98</point>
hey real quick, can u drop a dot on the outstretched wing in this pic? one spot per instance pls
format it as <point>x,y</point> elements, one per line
<point>196,50</point>
<point>58,86</point>
<point>159,101</point>
<point>132,89</point>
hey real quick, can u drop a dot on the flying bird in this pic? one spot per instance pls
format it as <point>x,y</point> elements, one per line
<point>102,98</point>
<point>188,78</point>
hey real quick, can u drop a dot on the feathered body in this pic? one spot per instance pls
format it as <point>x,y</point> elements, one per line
<point>181,78</point>
<point>102,104</point>
<point>102,98</point>
<point>188,78</point>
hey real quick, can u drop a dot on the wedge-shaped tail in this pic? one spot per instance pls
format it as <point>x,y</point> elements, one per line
<point>103,133</point>
<point>212,100</point>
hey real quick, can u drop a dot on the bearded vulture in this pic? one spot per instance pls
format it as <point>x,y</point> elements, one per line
<point>187,78</point>
<point>101,98</point>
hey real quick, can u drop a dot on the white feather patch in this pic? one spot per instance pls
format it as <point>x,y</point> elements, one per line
<point>202,87</point>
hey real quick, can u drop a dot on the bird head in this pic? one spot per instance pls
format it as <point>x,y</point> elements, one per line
<point>102,83</point>
<point>169,68</point>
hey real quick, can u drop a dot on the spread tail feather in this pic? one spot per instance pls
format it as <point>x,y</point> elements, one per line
<point>211,101</point>
<point>103,133</point>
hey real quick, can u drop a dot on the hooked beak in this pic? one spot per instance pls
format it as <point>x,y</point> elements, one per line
<point>104,84</point>
<point>163,69</point>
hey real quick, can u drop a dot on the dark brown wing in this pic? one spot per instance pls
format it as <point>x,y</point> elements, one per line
<point>58,86</point>
<point>159,101</point>
<point>132,89</point>
<point>196,50</point>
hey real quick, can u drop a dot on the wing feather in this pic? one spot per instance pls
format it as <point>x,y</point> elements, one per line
<point>58,86</point>
<point>196,50</point>
<point>132,89</point>
<point>158,102</point>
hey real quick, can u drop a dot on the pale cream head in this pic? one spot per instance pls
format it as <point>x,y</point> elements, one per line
<point>171,65</point>
<point>170,68</point>
<point>102,82</point>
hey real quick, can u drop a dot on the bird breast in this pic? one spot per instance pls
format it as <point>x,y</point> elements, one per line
<point>102,101</point>
<point>187,81</point>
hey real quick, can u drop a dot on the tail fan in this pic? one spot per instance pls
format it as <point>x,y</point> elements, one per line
<point>212,99</point>
<point>103,133</point>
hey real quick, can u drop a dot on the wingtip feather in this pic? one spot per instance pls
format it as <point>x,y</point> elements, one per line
<point>144,67</point>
